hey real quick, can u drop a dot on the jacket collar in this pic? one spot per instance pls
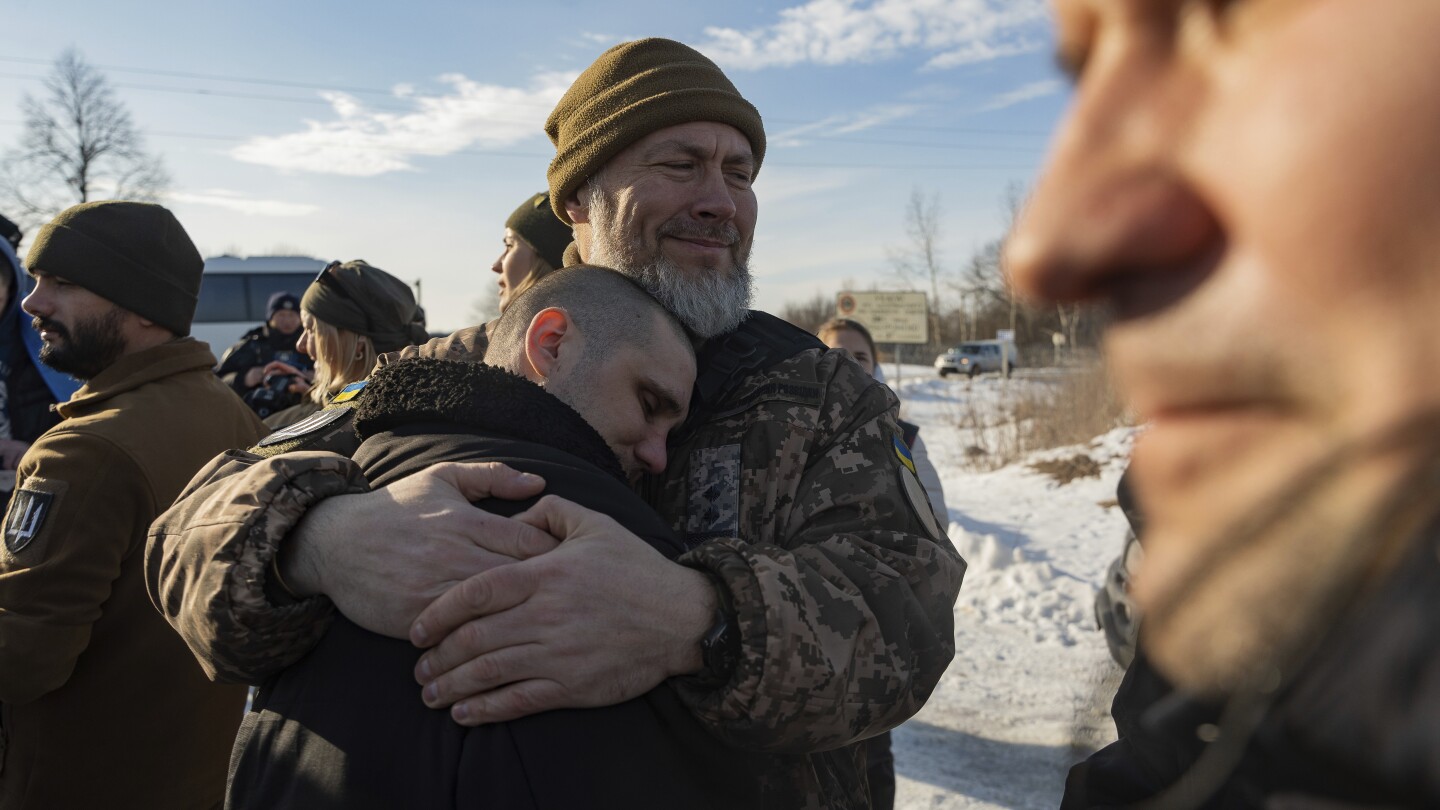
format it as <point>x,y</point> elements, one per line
<point>484,398</point>
<point>134,370</point>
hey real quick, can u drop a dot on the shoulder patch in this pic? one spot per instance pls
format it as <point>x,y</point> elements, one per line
<point>902,452</point>
<point>349,392</point>
<point>310,424</point>
<point>26,519</point>
<point>919,501</point>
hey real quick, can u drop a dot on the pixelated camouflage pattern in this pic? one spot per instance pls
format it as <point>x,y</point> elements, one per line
<point>844,601</point>
<point>208,560</point>
<point>466,345</point>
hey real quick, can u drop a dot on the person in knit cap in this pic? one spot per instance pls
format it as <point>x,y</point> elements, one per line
<point>103,706</point>
<point>813,607</point>
<point>350,314</point>
<point>243,366</point>
<point>535,241</point>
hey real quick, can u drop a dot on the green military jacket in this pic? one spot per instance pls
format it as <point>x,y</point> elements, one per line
<point>103,704</point>
<point>793,491</point>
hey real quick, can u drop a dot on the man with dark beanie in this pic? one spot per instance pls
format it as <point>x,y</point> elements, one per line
<point>813,607</point>
<point>103,706</point>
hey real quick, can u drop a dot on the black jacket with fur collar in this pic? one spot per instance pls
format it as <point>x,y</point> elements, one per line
<point>345,726</point>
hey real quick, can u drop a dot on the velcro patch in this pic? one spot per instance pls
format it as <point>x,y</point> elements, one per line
<point>713,509</point>
<point>26,519</point>
<point>313,423</point>
<point>809,395</point>
<point>920,503</point>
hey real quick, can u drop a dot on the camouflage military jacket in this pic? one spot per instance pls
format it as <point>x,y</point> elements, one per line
<point>792,489</point>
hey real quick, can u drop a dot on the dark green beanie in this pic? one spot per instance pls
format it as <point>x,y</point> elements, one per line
<point>537,224</point>
<point>133,254</point>
<point>632,90</point>
<point>367,301</point>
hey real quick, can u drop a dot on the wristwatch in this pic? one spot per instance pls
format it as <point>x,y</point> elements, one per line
<point>720,648</point>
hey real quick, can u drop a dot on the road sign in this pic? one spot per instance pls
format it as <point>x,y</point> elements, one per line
<point>891,317</point>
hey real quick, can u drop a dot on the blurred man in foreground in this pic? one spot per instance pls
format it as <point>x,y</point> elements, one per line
<point>1253,188</point>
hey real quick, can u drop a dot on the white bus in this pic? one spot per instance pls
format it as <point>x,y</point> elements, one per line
<point>234,291</point>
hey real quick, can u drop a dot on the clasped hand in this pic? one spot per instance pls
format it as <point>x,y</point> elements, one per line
<point>600,619</point>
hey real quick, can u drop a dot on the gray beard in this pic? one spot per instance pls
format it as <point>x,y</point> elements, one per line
<point>707,302</point>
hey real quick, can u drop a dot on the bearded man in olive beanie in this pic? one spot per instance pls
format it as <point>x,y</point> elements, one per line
<point>814,605</point>
<point>103,704</point>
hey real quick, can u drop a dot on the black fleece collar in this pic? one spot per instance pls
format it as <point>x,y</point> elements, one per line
<point>486,398</point>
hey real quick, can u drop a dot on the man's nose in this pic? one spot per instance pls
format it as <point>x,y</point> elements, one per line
<point>714,197</point>
<point>650,453</point>
<point>1115,201</point>
<point>36,304</point>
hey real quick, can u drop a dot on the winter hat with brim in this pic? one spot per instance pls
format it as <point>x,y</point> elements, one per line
<point>536,223</point>
<point>632,90</point>
<point>367,301</point>
<point>133,254</point>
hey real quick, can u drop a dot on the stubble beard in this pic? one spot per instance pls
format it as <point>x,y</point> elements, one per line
<point>93,345</point>
<point>708,302</point>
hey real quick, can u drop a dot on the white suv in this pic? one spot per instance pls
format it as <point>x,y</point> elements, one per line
<point>977,356</point>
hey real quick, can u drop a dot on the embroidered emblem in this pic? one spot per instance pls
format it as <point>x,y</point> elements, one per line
<point>28,510</point>
<point>714,496</point>
<point>349,392</point>
<point>310,424</point>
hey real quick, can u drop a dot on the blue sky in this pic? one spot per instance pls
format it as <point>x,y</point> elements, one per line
<point>405,134</point>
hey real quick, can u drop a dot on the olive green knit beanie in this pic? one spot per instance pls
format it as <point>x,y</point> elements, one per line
<point>632,90</point>
<point>362,298</point>
<point>536,223</point>
<point>134,255</point>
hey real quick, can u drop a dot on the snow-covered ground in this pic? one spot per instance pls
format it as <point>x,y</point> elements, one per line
<point>1028,691</point>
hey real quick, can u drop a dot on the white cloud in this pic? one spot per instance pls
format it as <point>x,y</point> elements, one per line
<point>840,125</point>
<point>362,142</point>
<point>1033,90</point>
<point>235,201</point>
<point>836,32</point>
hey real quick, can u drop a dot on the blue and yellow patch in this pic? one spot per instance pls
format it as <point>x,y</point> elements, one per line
<point>903,453</point>
<point>349,392</point>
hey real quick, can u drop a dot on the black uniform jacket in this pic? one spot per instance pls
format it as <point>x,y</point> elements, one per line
<point>1357,726</point>
<point>345,727</point>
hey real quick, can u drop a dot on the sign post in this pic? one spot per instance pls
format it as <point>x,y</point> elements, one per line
<point>892,317</point>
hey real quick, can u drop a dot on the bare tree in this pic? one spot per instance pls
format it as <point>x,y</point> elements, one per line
<point>486,307</point>
<point>917,263</point>
<point>79,144</point>
<point>810,313</point>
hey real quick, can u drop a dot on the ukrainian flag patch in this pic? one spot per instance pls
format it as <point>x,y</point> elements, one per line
<point>903,453</point>
<point>349,392</point>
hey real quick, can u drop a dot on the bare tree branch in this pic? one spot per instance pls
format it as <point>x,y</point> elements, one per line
<point>79,144</point>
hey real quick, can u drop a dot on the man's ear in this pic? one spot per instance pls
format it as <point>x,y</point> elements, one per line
<point>576,208</point>
<point>550,328</point>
